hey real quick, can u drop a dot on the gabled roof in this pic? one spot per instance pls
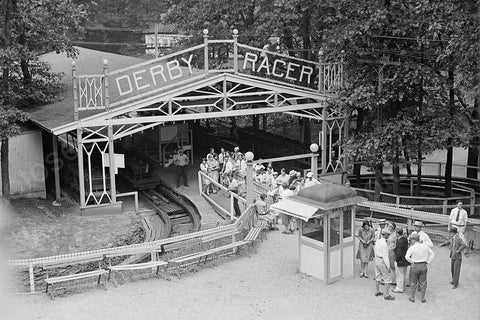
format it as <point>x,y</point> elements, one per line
<point>88,61</point>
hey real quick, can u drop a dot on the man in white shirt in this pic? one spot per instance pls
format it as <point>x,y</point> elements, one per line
<point>382,265</point>
<point>181,160</point>
<point>419,255</point>
<point>459,219</point>
<point>424,238</point>
<point>310,180</point>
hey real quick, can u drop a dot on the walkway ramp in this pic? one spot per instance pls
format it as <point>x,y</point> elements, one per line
<point>210,218</point>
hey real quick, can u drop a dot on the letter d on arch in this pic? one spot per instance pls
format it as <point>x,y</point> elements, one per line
<point>122,82</point>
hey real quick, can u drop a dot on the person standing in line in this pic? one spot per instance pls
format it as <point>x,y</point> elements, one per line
<point>401,263</point>
<point>212,171</point>
<point>382,266</point>
<point>269,180</point>
<point>456,245</point>
<point>221,158</point>
<point>365,247</point>
<point>286,219</point>
<point>378,231</point>
<point>391,244</point>
<point>419,255</point>
<point>181,161</point>
<point>237,187</point>
<point>424,238</point>
<point>459,219</point>
<point>205,181</point>
<point>283,177</point>
<point>310,180</point>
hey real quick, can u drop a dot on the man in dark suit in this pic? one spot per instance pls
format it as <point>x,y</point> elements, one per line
<point>401,263</point>
<point>456,246</point>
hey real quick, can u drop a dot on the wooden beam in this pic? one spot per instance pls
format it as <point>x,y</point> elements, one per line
<point>197,116</point>
<point>56,168</point>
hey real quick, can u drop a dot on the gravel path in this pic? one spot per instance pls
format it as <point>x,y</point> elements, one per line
<point>264,286</point>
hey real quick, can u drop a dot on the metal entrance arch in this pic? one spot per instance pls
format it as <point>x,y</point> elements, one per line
<point>191,85</point>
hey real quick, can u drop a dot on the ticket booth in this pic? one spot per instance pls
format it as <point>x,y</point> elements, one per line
<point>325,215</point>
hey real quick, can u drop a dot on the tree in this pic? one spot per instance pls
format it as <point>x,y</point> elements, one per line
<point>413,94</point>
<point>31,28</point>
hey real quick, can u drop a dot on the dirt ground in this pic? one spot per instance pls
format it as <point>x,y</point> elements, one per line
<point>35,228</point>
<point>264,286</point>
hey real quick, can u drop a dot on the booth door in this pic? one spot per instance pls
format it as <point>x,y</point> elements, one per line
<point>334,247</point>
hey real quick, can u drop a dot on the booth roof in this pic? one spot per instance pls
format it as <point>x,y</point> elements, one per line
<point>88,61</point>
<point>328,196</point>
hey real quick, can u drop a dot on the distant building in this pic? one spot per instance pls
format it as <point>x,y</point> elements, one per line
<point>167,37</point>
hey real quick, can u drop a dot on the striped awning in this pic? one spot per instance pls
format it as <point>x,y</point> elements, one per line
<point>295,209</point>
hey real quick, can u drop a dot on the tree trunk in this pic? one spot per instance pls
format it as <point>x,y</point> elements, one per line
<point>449,163</point>
<point>264,122</point>
<point>305,122</point>
<point>378,181</point>
<point>408,166</point>
<point>396,172</point>
<point>7,4</point>
<point>448,172</point>
<point>256,121</point>
<point>5,171</point>
<point>27,76</point>
<point>474,144</point>
<point>305,130</point>
<point>418,189</point>
<point>357,167</point>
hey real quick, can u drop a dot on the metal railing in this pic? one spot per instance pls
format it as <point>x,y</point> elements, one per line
<point>100,253</point>
<point>224,200</point>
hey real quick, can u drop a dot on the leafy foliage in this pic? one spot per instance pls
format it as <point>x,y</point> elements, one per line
<point>34,27</point>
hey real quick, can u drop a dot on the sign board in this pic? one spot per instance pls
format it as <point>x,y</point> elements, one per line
<point>119,161</point>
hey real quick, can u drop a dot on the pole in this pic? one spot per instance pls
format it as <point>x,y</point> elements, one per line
<point>205,50</point>
<point>56,168</point>
<point>313,166</point>
<point>235,51</point>
<point>81,174</point>
<point>156,40</point>
<point>112,169</point>
<point>324,140</point>
<point>75,93</point>
<point>105,84</point>
<point>249,181</point>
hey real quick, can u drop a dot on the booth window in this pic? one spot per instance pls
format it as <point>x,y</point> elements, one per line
<point>334,231</point>
<point>313,229</point>
<point>347,224</point>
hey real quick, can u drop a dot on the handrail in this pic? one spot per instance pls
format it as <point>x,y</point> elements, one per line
<point>100,253</point>
<point>132,193</point>
<point>233,195</point>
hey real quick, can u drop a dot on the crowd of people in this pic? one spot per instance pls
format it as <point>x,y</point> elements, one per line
<point>229,168</point>
<point>401,256</point>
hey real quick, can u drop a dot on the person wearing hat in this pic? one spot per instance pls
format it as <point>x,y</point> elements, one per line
<point>378,231</point>
<point>286,219</point>
<point>424,238</point>
<point>459,219</point>
<point>382,266</point>
<point>269,179</point>
<point>456,245</point>
<point>401,263</point>
<point>419,255</point>
<point>297,182</point>
<point>310,180</point>
<point>391,244</point>
<point>181,160</point>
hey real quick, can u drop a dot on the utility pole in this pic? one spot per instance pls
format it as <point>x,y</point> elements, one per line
<point>379,67</point>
